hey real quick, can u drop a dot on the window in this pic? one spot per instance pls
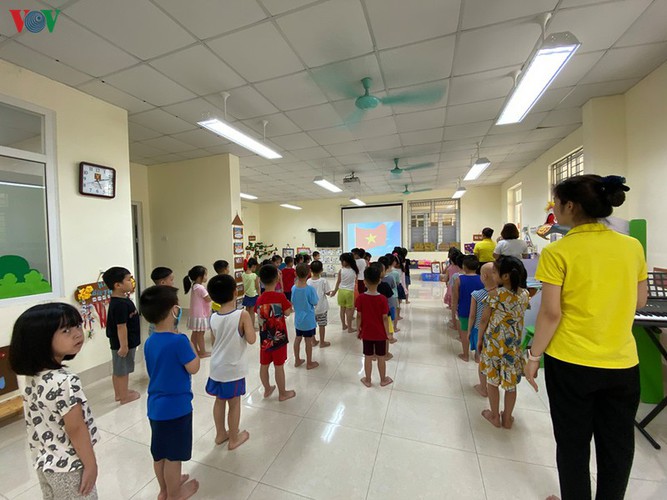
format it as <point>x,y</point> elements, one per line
<point>28,236</point>
<point>433,225</point>
<point>514,201</point>
<point>569,166</point>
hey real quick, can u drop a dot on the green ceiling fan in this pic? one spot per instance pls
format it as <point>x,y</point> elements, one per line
<point>407,191</point>
<point>409,168</point>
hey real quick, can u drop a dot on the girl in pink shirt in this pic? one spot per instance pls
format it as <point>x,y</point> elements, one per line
<point>200,307</point>
<point>451,270</point>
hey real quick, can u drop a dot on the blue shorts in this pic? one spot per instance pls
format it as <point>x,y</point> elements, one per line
<point>289,295</point>
<point>474,336</point>
<point>305,333</point>
<point>392,313</point>
<point>172,439</point>
<point>225,390</point>
<point>249,301</point>
<point>407,280</point>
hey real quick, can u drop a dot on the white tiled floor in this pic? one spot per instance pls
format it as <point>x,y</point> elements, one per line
<point>422,437</point>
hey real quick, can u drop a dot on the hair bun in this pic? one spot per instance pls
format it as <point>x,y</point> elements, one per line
<point>614,189</point>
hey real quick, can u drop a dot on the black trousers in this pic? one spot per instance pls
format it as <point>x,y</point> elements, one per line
<point>590,402</point>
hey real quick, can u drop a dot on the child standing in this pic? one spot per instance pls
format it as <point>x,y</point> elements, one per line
<point>273,307</point>
<point>161,276</point>
<point>346,283</point>
<point>385,289</point>
<point>289,276</point>
<point>221,267</point>
<point>321,286</point>
<point>232,330</point>
<point>200,307</point>
<point>123,331</point>
<point>500,339</point>
<point>477,308</point>
<point>453,268</point>
<point>373,325</point>
<point>358,254</point>
<point>316,256</point>
<point>170,361</point>
<point>60,426</point>
<point>277,261</point>
<point>304,300</point>
<point>250,287</point>
<point>467,282</point>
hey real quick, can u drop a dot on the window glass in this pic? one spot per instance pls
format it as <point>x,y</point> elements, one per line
<point>21,129</point>
<point>433,225</point>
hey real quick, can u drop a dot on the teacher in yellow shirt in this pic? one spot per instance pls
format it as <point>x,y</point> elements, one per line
<point>485,248</point>
<point>593,281</point>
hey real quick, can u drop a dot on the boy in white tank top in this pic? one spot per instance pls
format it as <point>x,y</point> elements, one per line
<point>232,332</point>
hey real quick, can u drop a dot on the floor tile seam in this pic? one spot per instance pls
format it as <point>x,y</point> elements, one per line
<point>448,447</point>
<point>522,462</point>
<point>403,391</point>
<point>346,426</point>
<point>144,486</point>
<point>283,489</point>
<point>474,442</point>
<point>236,474</point>
<point>301,419</point>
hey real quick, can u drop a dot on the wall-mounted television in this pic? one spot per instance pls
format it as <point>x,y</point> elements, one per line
<point>327,239</point>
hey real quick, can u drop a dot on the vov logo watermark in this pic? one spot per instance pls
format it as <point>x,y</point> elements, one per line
<point>34,20</point>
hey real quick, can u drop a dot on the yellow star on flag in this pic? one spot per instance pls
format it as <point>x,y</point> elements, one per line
<point>371,238</point>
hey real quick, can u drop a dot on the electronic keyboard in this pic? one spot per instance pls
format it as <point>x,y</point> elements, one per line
<point>653,314</point>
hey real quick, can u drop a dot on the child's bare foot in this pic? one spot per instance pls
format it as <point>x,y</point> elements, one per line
<point>189,489</point>
<point>462,357</point>
<point>386,381</point>
<point>163,494</point>
<point>388,356</point>
<point>506,422</point>
<point>324,344</point>
<point>299,362</point>
<point>476,357</point>
<point>351,330</point>
<point>221,438</point>
<point>240,439</point>
<point>315,342</point>
<point>553,497</point>
<point>131,396</point>
<point>366,382</point>
<point>344,327</point>
<point>286,395</point>
<point>204,355</point>
<point>481,390</point>
<point>269,391</point>
<point>495,420</point>
<point>311,365</point>
<point>393,340</point>
<point>397,329</point>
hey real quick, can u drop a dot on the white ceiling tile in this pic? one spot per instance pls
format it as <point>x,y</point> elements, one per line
<point>508,139</point>
<point>200,138</point>
<point>531,121</point>
<point>435,91</point>
<point>627,62</point>
<point>525,157</point>
<point>194,154</point>
<point>161,121</point>
<point>167,158</point>
<point>575,69</point>
<point>111,94</point>
<point>194,110</point>
<point>334,135</point>
<point>343,35</point>
<point>495,46</point>
<point>538,146</point>
<point>207,18</point>
<point>257,53</point>
<point>397,22</point>
<point>650,27</point>
<point>140,133</point>
<point>139,149</point>
<point>27,58</point>
<point>544,134</point>
<point>138,27</point>
<point>198,70</point>
<point>420,120</point>
<point>473,112</point>
<point>244,102</point>
<point>585,22</point>
<point>230,148</point>
<point>143,82</point>
<point>461,144</point>
<point>80,49</point>
<point>344,148</point>
<point>374,128</point>
<point>582,93</point>
<point>354,159</point>
<point>315,153</point>
<point>551,98</point>
<point>342,80</point>
<point>482,12</point>
<point>291,92</point>
<point>168,144</point>
<point>467,130</point>
<point>422,137</point>
<point>314,117</point>
<point>295,141</point>
<point>418,63</point>
<point>381,143</point>
<point>481,86</point>
<point>280,6</point>
<point>279,124</point>
<point>559,117</point>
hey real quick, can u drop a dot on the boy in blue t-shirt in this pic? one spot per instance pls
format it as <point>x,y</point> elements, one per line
<point>468,281</point>
<point>171,359</point>
<point>304,300</point>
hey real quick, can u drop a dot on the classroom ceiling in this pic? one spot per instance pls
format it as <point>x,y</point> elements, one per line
<point>168,61</point>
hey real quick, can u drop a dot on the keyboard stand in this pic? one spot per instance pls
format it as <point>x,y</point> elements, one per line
<point>651,332</point>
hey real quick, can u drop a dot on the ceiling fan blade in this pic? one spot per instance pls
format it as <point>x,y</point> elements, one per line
<point>335,83</point>
<point>424,96</point>
<point>421,190</point>
<point>417,166</point>
<point>354,118</point>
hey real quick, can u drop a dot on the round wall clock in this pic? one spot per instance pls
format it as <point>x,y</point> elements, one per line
<point>97,180</point>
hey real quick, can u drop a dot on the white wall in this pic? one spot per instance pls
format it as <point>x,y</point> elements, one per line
<point>250,218</point>
<point>95,233</point>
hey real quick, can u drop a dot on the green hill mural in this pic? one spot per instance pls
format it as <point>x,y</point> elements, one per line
<point>17,279</point>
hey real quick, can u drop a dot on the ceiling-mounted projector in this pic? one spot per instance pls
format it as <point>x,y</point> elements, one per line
<point>351,179</point>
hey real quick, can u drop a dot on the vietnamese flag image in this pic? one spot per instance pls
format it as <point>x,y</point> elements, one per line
<point>371,238</point>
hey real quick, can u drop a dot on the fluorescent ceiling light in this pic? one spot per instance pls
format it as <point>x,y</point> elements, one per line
<point>228,132</point>
<point>460,191</point>
<point>480,165</point>
<point>20,184</point>
<point>322,182</point>
<point>293,207</point>
<point>247,196</point>
<point>545,65</point>
<point>357,201</point>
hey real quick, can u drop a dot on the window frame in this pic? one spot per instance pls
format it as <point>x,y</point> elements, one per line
<point>49,159</point>
<point>512,205</point>
<point>432,211</point>
<point>574,159</point>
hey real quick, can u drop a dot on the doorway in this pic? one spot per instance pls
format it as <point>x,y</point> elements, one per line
<point>138,246</point>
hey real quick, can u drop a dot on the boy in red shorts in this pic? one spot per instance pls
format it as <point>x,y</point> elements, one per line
<point>373,325</point>
<point>272,309</point>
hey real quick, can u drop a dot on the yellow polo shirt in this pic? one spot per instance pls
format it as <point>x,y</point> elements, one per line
<point>598,270</point>
<point>484,250</point>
